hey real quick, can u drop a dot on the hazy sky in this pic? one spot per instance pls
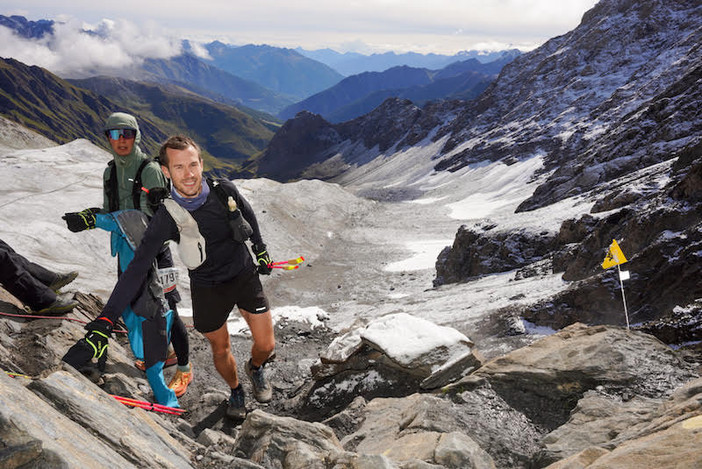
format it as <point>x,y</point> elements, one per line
<point>442,26</point>
<point>134,29</point>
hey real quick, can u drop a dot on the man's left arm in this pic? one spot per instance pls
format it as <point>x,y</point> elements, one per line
<point>247,212</point>
<point>260,250</point>
<point>131,280</point>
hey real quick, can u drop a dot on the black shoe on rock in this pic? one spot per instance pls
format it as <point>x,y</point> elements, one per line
<point>236,407</point>
<point>62,280</point>
<point>62,305</point>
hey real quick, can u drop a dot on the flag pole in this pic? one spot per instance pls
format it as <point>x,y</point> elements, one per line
<point>621,284</point>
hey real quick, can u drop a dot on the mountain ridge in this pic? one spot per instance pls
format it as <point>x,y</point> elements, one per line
<point>353,63</point>
<point>559,98</point>
<point>282,70</point>
<point>359,94</point>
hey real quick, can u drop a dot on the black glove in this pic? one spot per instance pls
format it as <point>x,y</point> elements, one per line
<point>83,220</point>
<point>155,196</point>
<point>93,345</point>
<point>263,260</point>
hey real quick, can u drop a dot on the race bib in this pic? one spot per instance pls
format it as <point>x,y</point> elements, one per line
<point>168,277</point>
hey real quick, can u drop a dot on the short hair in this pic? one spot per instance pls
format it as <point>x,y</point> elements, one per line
<point>177,142</point>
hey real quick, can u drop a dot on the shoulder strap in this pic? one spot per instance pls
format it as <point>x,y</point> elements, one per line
<point>219,191</point>
<point>111,189</point>
<point>136,188</point>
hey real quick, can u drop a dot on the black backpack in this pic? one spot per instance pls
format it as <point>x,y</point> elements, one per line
<point>112,189</point>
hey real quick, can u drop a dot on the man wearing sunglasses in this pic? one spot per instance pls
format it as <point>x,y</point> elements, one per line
<point>126,182</point>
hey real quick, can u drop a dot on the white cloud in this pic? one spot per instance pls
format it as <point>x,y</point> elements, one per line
<point>77,50</point>
<point>198,49</point>
<point>440,26</point>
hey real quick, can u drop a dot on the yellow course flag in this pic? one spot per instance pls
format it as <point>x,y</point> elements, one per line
<point>615,256</point>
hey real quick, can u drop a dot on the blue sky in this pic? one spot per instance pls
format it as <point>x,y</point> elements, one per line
<point>366,26</point>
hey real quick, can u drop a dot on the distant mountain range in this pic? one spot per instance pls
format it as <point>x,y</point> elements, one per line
<point>25,28</point>
<point>284,71</point>
<point>194,74</point>
<point>360,94</point>
<point>271,79</point>
<point>353,63</point>
<point>228,101</point>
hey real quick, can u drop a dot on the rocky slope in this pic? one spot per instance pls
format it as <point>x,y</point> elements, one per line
<point>595,395</point>
<point>310,147</point>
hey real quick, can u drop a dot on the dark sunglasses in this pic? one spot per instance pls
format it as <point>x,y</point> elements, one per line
<point>115,134</point>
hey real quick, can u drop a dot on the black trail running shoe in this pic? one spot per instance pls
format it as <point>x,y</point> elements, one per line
<point>236,407</point>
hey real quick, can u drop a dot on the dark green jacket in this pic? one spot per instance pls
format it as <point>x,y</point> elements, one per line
<point>127,167</point>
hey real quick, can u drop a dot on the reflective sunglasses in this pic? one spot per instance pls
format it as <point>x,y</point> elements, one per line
<point>115,134</point>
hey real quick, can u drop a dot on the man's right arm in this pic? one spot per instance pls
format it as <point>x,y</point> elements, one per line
<point>160,229</point>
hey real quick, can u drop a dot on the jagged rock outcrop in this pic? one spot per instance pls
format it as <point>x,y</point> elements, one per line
<point>419,427</point>
<point>475,253</point>
<point>300,142</point>
<point>283,442</point>
<point>370,362</point>
<point>607,432</point>
<point>658,227</point>
<point>308,145</point>
<point>488,433</point>
<point>73,431</point>
<point>661,234</point>
<point>545,380</point>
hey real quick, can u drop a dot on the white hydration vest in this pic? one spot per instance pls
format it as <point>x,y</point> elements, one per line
<point>191,247</point>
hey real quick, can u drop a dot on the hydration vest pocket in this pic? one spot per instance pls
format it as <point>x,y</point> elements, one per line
<point>241,230</point>
<point>191,247</point>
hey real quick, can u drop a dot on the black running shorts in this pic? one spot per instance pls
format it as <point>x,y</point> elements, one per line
<point>212,304</point>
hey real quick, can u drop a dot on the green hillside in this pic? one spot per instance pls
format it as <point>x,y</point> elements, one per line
<point>229,134</point>
<point>64,110</point>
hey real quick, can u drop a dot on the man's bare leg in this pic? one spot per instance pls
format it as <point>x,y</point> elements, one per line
<point>261,327</point>
<point>222,355</point>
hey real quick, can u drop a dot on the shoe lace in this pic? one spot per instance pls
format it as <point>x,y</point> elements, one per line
<point>182,377</point>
